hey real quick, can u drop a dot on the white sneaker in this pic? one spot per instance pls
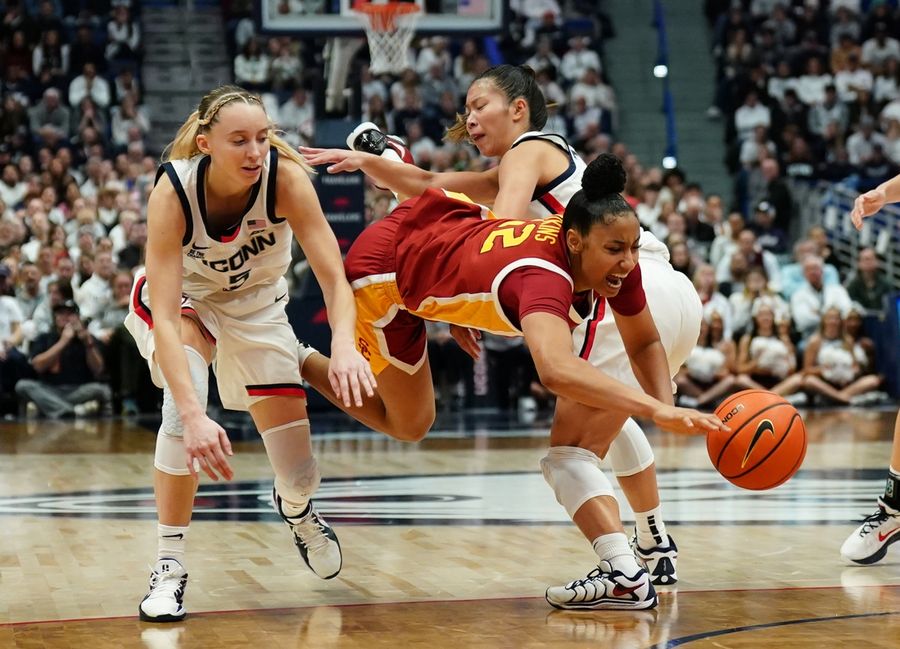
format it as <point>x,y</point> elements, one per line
<point>165,600</point>
<point>605,588</point>
<point>318,544</point>
<point>659,561</point>
<point>869,542</point>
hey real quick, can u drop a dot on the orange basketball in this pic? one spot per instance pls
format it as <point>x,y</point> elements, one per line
<point>766,443</point>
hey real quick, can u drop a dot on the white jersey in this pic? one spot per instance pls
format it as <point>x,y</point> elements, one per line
<point>254,253</point>
<point>553,197</point>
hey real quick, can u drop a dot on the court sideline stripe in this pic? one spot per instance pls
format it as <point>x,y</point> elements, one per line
<point>677,642</point>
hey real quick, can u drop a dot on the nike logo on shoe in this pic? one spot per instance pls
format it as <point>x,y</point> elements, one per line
<point>178,536</point>
<point>882,537</point>
<point>619,590</point>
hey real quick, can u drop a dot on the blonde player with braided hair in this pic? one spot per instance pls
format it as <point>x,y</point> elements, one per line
<point>228,197</point>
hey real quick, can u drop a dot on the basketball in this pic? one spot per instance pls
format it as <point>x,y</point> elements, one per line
<point>766,443</point>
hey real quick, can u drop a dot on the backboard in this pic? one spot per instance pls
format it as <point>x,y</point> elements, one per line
<point>336,18</point>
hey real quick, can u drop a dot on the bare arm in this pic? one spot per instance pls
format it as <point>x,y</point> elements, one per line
<point>647,354</point>
<point>745,365</point>
<point>297,201</point>
<point>205,441</point>
<point>520,173</point>
<point>550,343</point>
<point>406,179</point>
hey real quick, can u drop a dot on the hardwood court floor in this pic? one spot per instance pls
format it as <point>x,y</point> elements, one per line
<point>448,543</point>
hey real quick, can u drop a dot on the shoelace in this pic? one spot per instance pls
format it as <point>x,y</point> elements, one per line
<point>591,576</point>
<point>874,521</point>
<point>311,532</point>
<point>163,584</point>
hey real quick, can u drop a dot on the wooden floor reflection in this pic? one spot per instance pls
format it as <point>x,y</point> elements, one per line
<point>444,570</point>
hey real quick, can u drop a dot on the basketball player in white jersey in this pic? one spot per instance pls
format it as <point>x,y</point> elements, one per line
<point>870,541</point>
<point>537,175</point>
<point>221,219</point>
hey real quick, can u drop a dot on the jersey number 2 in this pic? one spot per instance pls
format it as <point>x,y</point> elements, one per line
<point>507,235</point>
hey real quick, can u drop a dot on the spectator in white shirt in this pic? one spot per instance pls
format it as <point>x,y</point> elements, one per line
<point>811,86</point>
<point>880,47</point>
<point>813,297</point>
<point>123,36</point>
<point>434,52</point>
<point>88,84</point>
<point>854,77</point>
<point>887,83</point>
<point>544,56</point>
<point>126,117</point>
<point>862,143</point>
<point>95,294</point>
<point>12,190</point>
<point>297,117</point>
<point>251,67</point>
<point>751,114</point>
<point>578,59</point>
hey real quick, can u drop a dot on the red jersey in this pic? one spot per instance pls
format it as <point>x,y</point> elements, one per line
<point>455,263</point>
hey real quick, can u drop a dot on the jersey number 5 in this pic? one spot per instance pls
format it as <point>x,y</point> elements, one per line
<point>507,235</point>
<point>236,281</point>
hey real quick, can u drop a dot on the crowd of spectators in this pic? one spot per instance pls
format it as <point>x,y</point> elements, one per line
<point>811,85</point>
<point>75,176</point>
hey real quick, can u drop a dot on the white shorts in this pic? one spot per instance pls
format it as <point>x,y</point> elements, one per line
<point>676,311</point>
<point>255,355</point>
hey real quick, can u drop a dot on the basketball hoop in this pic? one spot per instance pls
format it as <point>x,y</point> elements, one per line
<point>389,30</point>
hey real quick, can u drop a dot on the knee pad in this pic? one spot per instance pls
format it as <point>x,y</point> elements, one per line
<point>170,455</point>
<point>630,451</point>
<point>297,474</point>
<point>574,475</point>
<point>300,483</point>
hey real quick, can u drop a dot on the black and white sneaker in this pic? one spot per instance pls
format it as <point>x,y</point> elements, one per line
<point>318,544</point>
<point>869,542</point>
<point>368,138</point>
<point>605,588</point>
<point>165,600</point>
<point>660,561</point>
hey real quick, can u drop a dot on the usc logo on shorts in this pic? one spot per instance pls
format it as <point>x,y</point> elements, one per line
<point>363,346</point>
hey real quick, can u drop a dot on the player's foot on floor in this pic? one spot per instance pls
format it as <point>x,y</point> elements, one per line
<point>869,542</point>
<point>316,541</point>
<point>368,138</point>
<point>164,601</point>
<point>605,588</point>
<point>660,561</point>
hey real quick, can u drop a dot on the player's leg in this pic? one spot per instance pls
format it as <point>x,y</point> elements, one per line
<point>283,424</point>
<point>174,488</point>
<point>869,542</point>
<point>572,469</point>
<point>392,410</point>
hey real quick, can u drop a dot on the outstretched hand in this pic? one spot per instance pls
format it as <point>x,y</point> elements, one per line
<point>467,339</point>
<point>866,205</point>
<point>687,421</point>
<point>350,375</point>
<point>340,160</point>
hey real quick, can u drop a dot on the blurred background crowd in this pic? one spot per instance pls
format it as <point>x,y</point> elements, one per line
<point>804,90</point>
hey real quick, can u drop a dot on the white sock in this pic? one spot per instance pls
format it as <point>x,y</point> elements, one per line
<point>171,540</point>
<point>651,530</point>
<point>614,548</point>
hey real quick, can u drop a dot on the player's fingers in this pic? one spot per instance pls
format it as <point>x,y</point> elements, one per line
<point>193,466</point>
<point>224,442</point>
<point>344,389</point>
<point>206,465</point>
<point>368,380</point>
<point>220,462</point>
<point>353,380</point>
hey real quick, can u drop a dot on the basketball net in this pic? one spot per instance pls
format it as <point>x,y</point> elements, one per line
<point>389,29</point>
